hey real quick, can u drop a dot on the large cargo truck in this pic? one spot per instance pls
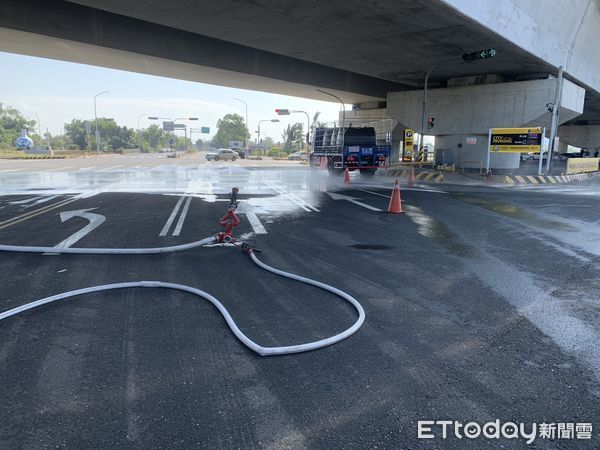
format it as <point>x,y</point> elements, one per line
<point>365,148</point>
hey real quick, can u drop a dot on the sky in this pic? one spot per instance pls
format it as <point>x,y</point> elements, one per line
<point>59,91</point>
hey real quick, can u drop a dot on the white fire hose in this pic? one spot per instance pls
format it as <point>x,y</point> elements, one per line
<point>264,351</point>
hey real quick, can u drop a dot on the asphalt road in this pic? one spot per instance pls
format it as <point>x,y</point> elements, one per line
<point>481,304</point>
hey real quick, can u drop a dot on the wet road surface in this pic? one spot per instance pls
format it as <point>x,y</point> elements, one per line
<point>481,304</point>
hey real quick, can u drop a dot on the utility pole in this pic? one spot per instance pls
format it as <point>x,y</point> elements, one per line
<point>96,121</point>
<point>139,136</point>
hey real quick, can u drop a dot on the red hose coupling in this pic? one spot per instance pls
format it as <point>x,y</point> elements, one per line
<point>229,221</point>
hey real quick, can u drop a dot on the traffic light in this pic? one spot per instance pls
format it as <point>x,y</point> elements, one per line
<point>481,54</point>
<point>282,112</point>
<point>430,122</point>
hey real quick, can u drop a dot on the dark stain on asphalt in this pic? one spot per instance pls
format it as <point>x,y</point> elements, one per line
<point>513,212</point>
<point>439,233</point>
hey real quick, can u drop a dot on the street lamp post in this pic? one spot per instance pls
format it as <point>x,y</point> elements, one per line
<point>96,121</point>
<point>138,132</point>
<point>39,124</point>
<point>261,121</point>
<point>287,112</point>
<point>424,105</point>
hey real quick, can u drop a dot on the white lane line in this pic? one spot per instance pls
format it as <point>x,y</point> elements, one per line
<point>182,217</point>
<point>255,222</point>
<point>27,200</point>
<point>374,193</point>
<point>11,170</point>
<point>171,218</point>
<point>58,169</point>
<point>101,189</point>
<point>111,168</point>
<point>44,200</point>
<point>403,189</point>
<point>286,194</point>
<point>88,168</point>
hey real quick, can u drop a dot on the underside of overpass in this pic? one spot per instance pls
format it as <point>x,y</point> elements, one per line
<point>360,50</point>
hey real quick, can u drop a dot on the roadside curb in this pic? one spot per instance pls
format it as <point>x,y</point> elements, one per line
<point>434,177</point>
<point>546,179</point>
<point>33,157</point>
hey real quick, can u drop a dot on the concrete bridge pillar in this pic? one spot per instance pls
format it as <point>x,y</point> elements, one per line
<point>464,115</point>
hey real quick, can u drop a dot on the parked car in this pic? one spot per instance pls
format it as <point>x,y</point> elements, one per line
<point>526,156</point>
<point>222,153</point>
<point>298,156</point>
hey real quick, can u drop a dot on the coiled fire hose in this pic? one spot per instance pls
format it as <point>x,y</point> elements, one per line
<point>263,351</point>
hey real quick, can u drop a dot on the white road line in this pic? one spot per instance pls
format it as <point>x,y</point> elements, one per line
<point>44,200</point>
<point>171,218</point>
<point>87,168</point>
<point>58,169</point>
<point>287,194</point>
<point>255,222</point>
<point>404,189</point>
<point>182,217</point>
<point>11,170</point>
<point>111,168</point>
<point>27,200</point>
<point>374,193</point>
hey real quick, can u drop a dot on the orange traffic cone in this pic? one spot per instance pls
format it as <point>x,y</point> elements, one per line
<point>346,176</point>
<point>395,201</point>
<point>411,177</point>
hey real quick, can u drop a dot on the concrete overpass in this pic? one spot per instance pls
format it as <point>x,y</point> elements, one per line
<point>366,52</point>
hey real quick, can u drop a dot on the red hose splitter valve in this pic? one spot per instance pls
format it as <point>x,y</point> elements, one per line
<point>230,220</point>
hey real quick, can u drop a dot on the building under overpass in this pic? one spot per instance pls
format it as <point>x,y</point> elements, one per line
<point>371,54</point>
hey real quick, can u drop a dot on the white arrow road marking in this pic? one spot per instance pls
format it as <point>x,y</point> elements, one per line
<point>354,200</point>
<point>95,221</point>
<point>437,191</point>
<point>250,212</point>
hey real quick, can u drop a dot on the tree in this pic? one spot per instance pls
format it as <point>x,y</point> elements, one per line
<point>316,122</point>
<point>11,124</point>
<point>230,128</point>
<point>293,137</point>
<point>76,133</point>
<point>200,144</point>
<point>267,142</point>
<point>152,137</point>
<point>113,136</point>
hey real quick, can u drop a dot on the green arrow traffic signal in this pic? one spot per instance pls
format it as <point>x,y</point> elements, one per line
<point>481,54</point>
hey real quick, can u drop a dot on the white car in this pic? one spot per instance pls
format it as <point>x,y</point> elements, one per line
<point>222,153</point>
<point>298,156</point>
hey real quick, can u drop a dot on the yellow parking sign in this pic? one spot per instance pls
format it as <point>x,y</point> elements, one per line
<point>516,140</point>
<point>409,140</point>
